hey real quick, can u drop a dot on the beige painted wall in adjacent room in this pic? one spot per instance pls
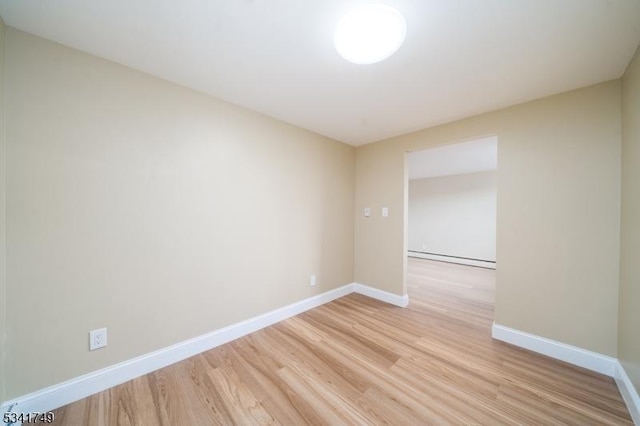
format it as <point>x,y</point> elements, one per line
<point>629,316</point>
<point>558,210</point>
<point>153,210</point>
<point>3,228</point>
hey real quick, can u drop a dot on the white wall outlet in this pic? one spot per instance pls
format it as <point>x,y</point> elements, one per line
<point>367,211</point>
<point>97,339</point>
<point>312,280</point>
<point>385,212</point>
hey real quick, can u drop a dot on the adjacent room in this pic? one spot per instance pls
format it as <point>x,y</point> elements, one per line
<point>213,213</point>
<point>452,202</point>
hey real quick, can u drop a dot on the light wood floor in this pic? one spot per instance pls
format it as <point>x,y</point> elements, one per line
<point>360,361</point>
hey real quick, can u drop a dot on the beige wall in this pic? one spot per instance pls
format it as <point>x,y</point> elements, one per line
<point>558,212</point>
<point>454,215</point>
<point>629,316</point>
<point>152,210</point>
<point>3,231</point>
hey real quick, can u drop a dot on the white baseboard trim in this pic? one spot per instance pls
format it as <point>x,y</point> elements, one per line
<point>577,356</point>
<point>628,392</point>
<point>572,354</point>
<point>83,386</point>
<point>450,259</point>
<point>383,296</point>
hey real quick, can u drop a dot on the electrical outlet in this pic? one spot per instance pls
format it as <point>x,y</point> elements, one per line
<point>312,280</point>
<point>97,339</point>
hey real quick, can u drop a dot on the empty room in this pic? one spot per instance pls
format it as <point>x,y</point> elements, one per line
<point>210,212</point>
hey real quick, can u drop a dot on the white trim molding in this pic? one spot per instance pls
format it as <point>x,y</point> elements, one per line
<point>384,296</point>
<point>572,354</point>
<point>83,386</point>
<point>628,392</point>
<point>577,356</point>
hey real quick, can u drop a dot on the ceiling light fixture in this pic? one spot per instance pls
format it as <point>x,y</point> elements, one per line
<point>369,33</point>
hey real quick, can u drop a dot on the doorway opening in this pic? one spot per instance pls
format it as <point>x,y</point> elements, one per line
<point>451,203</point>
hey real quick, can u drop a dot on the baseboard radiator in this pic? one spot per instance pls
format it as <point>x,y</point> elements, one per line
<point>482,263</point>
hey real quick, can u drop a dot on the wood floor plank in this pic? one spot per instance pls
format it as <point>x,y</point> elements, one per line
<point>258,368</point>
<point>360,361</point>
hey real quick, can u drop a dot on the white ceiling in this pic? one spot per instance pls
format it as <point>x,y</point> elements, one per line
<point>460,58</point>
<point>478,155</point>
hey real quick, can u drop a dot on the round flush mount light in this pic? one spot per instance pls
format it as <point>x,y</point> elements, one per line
<point>369,34</point>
